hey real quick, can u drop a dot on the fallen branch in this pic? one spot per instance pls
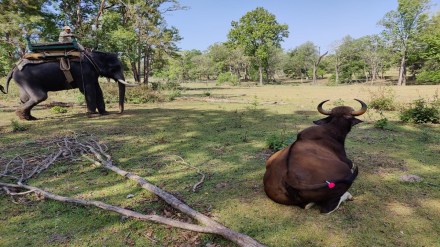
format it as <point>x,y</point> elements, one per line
<point>71,147</point>
<point>122,211</point>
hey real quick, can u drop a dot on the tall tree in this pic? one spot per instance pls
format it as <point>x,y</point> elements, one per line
<point>403,26</point>
<point>429,52</point>
<point>20,19</point>
<point>256,32</point>
<point>138,29</point>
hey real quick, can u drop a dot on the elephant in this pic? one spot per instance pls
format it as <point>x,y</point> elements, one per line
<point>35,80</point>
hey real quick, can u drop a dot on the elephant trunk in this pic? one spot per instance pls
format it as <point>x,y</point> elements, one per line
<point>121,96</point>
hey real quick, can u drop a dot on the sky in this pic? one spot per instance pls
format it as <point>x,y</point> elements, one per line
<point>323,22</point>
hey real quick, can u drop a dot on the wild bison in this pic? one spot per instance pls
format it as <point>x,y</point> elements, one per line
<point>315,168</point>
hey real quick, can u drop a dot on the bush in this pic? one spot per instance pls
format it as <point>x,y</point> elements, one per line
<point>381,123</point>
<point>382,99</point>
<point>228,77</point>
<point>277,142</point>
<point>17,126</point>
<point>428,77</point>
<point>174,94</point>
<point>420,112</point>
<point>138,95</point>
<point>59,109</point>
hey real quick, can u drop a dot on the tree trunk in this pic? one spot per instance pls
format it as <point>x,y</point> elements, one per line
<point>260,71</point>
<point>315,66</point>
<point>135,71</point>
<point>314,74</point>
<point>402,72</point>
<point>78,16</point>
<point>246,76</point>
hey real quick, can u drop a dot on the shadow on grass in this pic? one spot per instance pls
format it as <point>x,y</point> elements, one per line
<point>227,146</point>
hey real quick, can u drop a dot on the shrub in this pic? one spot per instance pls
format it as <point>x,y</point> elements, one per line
<point>138,95</point>
<point>382,99</point>
<point>428,77</point>
<point>278,141</point>
<point>174,94</point>
<point>420,112</point>
<point>17,126</point>
<point>59,109</point>
<point>381,123</point>
<point>80,99</point>
<point>228,77</point>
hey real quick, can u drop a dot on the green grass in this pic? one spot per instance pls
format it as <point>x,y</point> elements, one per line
<point>224,134</point>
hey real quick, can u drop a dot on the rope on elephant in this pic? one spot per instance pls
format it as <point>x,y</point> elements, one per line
<point>17,171</point>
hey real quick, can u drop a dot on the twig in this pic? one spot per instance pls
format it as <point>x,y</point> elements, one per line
<point>198,184</point>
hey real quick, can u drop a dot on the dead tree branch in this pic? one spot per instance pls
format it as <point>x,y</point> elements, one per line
<point>71,148</point>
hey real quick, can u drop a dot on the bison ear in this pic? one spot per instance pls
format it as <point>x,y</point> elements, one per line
<point>323,121</point>
<point>355,121</point>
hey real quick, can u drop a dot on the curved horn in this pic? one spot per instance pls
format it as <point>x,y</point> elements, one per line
<point>362,110</point>
<point>127,84</point>
<point>322,111</point>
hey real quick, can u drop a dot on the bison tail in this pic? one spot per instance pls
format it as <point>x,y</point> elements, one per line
<point>350,179</point>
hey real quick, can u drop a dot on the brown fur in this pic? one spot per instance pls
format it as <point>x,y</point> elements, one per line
<point>297,175</point>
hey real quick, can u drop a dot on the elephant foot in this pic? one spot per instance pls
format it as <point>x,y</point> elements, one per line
<point>104,112</point>
<point>22,115</point>
<point>92,114</point>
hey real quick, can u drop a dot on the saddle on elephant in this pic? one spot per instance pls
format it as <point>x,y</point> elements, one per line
<point>50,52</point>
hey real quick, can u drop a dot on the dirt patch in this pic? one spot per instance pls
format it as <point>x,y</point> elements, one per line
<point>379,163</point>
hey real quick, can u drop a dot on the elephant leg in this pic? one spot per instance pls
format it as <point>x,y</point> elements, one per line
<point>34,97</point>
<point>100,101</point>
<point>24,96</point>
<point>90,95</point>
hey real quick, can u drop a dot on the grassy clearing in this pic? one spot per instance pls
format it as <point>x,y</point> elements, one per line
<point>223,131</point>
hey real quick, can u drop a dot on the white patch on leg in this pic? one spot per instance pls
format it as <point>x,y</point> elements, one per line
<point>350,197</point>
<point>308,206</point>
<point>344,197</point>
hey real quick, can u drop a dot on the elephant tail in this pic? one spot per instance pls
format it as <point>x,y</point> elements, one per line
<point>8,79</point>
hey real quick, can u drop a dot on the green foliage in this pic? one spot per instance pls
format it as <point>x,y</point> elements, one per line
<point>59,109</point>
<point>382,99</point>
<point>141,95</point>
<point>229,78</point>
<point>278,141</point>
<point>420,112</point>
<point>80,99</point>
<point>429,77</point>
<point>381,123</point>
<point>172,95</point>
<point>257,31</point>
<point>17,126</point>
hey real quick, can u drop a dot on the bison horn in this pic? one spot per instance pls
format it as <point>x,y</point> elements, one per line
<point>127,84</point>
<point>322,111</point>
<point>362,110</point>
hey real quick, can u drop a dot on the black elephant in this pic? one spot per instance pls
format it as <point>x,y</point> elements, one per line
<point>35,80</point>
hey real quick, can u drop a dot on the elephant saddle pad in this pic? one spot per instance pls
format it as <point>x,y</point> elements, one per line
<point>50,55</point>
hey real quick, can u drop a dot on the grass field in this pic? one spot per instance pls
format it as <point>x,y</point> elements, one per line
<point>223,132</point>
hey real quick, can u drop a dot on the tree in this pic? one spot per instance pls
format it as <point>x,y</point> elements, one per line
<point>21,19</point>
<point>256,32</point>
<point>139,30</point>
<point>374,53</point>
<point>347,60</point>
<point>403,26</point>
<point>429,52</point>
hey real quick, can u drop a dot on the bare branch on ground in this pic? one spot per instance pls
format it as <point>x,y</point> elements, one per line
<point>72,148</point>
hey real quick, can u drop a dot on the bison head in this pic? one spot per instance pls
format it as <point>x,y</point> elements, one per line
<point>341,112</point>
